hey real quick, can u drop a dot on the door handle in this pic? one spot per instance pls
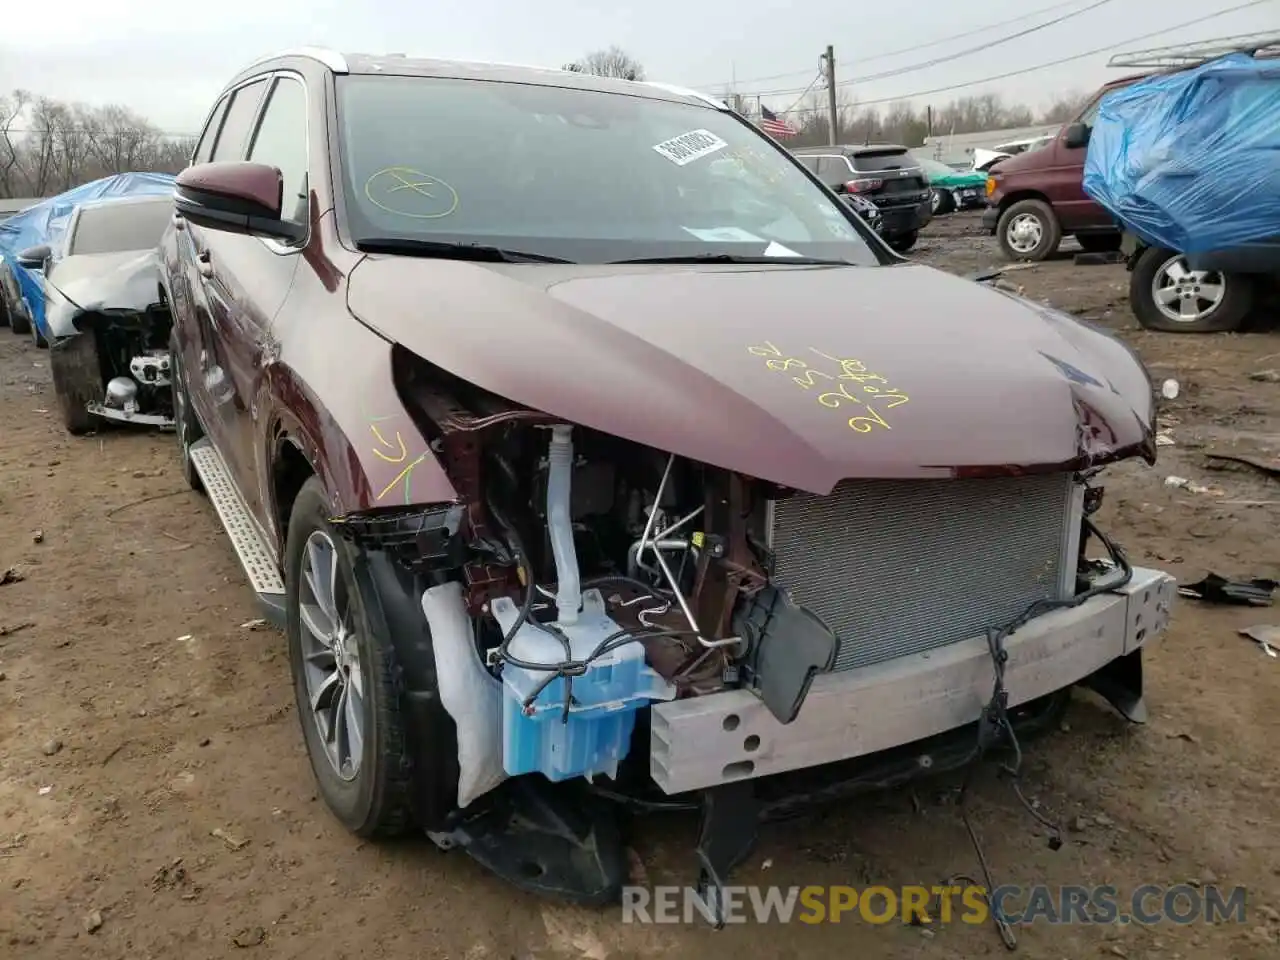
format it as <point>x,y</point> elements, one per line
<point>203,264</point>
<point>179,223</point>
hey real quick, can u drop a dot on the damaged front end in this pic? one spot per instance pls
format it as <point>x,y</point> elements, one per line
<point>109,333</point>
<point>614,624</point>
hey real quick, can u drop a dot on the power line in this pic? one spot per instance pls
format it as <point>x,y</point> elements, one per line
<point>923,65</point>
<point>1044,66</point>
<point>926,64</point>
<point>885,55</point>
<point>43,131</point>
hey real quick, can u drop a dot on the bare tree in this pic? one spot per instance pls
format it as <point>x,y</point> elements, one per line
<point>1064,107</point>
<point>47,146</point>
<point>12,108</point>
<point>614,62</point>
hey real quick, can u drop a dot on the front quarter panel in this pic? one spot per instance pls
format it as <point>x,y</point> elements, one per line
<point>329,389</point>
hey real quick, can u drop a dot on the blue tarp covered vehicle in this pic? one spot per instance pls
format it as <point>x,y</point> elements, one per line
<point>45,222</point>
<point>1189,164</point>
<point>1190,161</point>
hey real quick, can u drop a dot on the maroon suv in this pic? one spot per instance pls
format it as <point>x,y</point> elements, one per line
<point>591,452</point>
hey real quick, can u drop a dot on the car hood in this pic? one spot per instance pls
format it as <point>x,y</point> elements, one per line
<point>108,281</point>
<point>792,374</point>
<point>958,179</point>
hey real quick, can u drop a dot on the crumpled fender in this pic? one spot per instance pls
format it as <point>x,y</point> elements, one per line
<point>105,284</point>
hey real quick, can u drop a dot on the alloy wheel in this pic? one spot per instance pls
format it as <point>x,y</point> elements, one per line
<point>331,656</point>
<point>1184,295</point>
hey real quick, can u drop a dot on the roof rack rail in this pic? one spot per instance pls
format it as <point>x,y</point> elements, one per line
<point>1183,56</point>
<point>330,58</point>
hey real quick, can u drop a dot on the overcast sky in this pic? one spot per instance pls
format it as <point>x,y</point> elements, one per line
<point>167,60</point>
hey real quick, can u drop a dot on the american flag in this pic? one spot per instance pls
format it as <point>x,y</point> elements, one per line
<point>774,125</point>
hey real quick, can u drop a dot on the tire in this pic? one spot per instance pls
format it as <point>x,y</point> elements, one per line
<point>903,242</point>
<point>1099,242</point>
<point>19,322</point>
<point>186,425</point>
<point>77,380</point>
<point>1219,302</point>
<point>1029,230</point>
<point>941,201</point>
<point>37,337</point>
<point>369,793</point>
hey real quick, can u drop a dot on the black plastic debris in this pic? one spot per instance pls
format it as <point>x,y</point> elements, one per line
<point>1216,589</point>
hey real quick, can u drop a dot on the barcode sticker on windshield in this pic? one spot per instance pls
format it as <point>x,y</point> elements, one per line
<point>690,146</point>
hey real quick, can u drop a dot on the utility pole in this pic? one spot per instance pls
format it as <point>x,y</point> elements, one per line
<point>829,68</point>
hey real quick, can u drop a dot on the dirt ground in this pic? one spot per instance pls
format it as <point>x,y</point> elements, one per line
<point>139,715</point>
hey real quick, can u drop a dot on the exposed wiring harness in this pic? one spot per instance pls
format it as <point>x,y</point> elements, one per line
<point>994,724</point>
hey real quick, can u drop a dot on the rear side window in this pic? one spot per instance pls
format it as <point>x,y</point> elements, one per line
<point>888,160</point>
<point>120,227</point>
<point>204,149</point>
<point>833,169</point>
<point>281,141</point>
<point>238,123</point>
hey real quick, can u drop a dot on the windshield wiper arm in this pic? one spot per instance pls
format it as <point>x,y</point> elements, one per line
<point>736,258</point>
<point>446,250</point>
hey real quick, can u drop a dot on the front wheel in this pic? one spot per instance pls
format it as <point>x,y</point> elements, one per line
<point>903,241</point>
<point>1029,230</point>
<point>344,677</point>
<point>19,322</point>
<point>942,201</point>
<point>1166,294</point>
<point>76,371</point>
<point>37,337</point>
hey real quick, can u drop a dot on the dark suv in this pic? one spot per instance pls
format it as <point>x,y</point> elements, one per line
<point>885,174</point>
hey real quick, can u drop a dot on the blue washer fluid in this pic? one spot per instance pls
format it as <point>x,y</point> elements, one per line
<point>596,736</point>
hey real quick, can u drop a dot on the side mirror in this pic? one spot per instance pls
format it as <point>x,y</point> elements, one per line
<point>237,197</point>
<point>33,258</point>
<point>1076,135</point>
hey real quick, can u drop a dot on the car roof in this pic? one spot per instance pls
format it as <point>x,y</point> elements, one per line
<point>124,201</point>
<point>398,65</point>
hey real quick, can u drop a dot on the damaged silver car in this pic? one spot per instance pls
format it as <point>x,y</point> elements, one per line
<point>106,324</point>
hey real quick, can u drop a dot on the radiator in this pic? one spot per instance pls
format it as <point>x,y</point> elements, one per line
<point>899,567</point>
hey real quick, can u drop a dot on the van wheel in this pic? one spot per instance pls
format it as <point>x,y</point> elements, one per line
<point>344,676</point>
<point>1029,230</point>
<point>77,380</point>
<point>1165,294</point>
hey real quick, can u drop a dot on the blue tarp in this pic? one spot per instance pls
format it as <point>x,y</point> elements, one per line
<point>1190,161</point>
<point>44,222</point>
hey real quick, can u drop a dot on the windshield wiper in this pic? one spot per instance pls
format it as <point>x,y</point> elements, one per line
<point>445,250</point>
<point>737,258</point>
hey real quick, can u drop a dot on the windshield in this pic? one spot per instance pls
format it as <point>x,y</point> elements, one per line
<point>578,175</point>
<point>934,168</point>
<point>117,227</point>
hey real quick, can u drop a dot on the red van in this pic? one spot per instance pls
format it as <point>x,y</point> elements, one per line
<point>1036,198</point>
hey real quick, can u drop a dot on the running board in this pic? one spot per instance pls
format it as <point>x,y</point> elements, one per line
<point>255,556</point>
